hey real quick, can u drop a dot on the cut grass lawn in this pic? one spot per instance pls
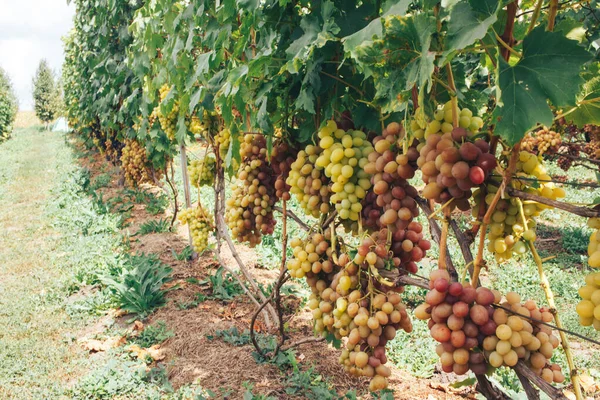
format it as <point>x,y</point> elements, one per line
<point>35,356</point>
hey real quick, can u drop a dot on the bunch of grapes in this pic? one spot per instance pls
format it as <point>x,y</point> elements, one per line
<point>222,139</point>
<point>541,142</point>
<point>202,172</point>
<point>459,317</point>
<point>452,162</point>
<point>135,163</point>
<point>348,302</point>
<point>281,161</point>
<point>517,338</point>
<point>589,307</point>
<point>311,256</point>
<point>201,225</point>
<point>507,233</point>
<point>168,122</point>
<point>309,184</point>
<point>592,148</point>
<point>344,155</point>
<point>250,207</point>
<point>195,126</point>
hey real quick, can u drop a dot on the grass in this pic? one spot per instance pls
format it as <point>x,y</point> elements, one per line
<point>36,256</point>
<point>27,119</point>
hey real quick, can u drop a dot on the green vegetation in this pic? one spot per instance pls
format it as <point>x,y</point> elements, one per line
<point>138,287</point>
<point>8,106</point>
<point>46,93</point>
<point>153,334</point>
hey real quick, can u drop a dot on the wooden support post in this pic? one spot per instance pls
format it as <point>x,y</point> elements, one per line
<point>186,187</point>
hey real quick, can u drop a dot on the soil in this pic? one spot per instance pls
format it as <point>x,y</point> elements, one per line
<point>191,357</point>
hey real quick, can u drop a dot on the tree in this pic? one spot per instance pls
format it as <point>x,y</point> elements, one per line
<point>44,93</point>
<point>8,106</point>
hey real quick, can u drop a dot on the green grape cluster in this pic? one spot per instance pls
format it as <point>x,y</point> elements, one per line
<point>223,139</point>
<point>201,225</point>
<point>510,229</point>
<point>343,157</point>
<point>308,183</point>
<point>195,126</point>
<point>168,123</point>
<point>202,171</point>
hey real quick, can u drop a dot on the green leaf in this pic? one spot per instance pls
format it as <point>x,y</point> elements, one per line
<point>394,7</point>
<point>469,22</point>
<point>548,70</point>
<point>374,29</point>
<point>587,113</point>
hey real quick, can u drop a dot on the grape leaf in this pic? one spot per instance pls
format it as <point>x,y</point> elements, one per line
<point>548,70</point>
<point>587,113</point>
<point>470,21</point>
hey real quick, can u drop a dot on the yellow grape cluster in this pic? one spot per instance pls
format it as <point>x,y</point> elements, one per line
<point>510,230</point>
<point>202,172</point>
<point>344,155</point>
<point>542,141</point>
<point>201,225</point>
<point>589,307</point>
<point>312,255</point>
<point>366,315</point>
<point>442,122</point>
<point>308,183</point>
<point>518,338</point>
<point>168,122</point>
<point>135,163</point>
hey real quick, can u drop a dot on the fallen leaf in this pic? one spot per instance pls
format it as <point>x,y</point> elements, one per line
<point>96,345</point>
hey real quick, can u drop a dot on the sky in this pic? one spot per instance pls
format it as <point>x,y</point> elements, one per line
<point>29,31</point>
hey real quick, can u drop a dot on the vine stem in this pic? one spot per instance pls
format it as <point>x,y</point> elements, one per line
<point>536,15</point>
<point>508,173</point>
<point>444,241</point>
<point>552,14</point>
<point>174,190</point>
<point>436,234</point>
<point>585,212</point>
<point>507,46</point>
<point>282,278</point>
<point>550,298</point>
<point>453,99</point>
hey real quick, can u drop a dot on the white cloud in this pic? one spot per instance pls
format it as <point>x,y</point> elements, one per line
<point>29,31</point>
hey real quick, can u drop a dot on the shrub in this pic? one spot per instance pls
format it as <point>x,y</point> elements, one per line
<point>8,106</point>
<point>139,288</point>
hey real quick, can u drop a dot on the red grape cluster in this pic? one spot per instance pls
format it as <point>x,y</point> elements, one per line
<point>281,161</point>
<point>459,316</point>
<point>250,208</point>
<point>390,204</point>
<point>451,160</point>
